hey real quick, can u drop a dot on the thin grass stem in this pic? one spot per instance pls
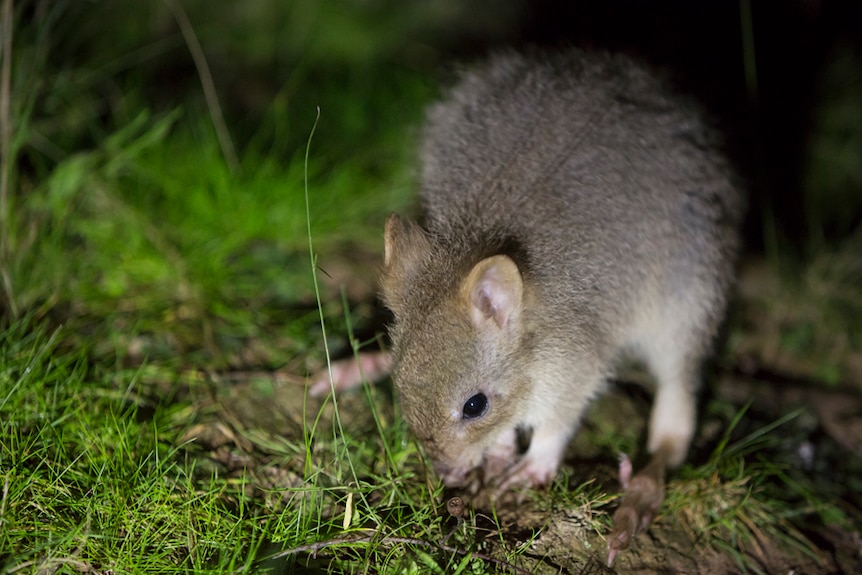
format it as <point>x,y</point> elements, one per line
<point>207,83</point>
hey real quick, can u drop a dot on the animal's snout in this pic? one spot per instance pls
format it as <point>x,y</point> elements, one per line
<point>451,476</point>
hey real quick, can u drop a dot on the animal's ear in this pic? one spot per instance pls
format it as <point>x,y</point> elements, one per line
<point>406,248</point>
<point>494,291</point>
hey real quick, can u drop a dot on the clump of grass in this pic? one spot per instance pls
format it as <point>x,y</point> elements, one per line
<point>90,484</point>
<point>804,319</point>
<point>737,501</point>
<point>131,227</point>
<point>188,249</point>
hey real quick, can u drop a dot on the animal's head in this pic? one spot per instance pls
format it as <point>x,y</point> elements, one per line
<point>459,338</point>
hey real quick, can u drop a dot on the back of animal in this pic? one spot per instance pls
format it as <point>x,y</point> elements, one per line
<point>605,177</point>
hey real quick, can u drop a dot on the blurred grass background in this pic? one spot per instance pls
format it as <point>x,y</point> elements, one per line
<point>135,250</point>
<point>110,119</point>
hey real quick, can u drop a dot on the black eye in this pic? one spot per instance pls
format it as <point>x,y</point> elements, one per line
<point>475,406</point>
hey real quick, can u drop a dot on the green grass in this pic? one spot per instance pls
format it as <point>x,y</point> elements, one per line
<point>737,500</point>
<point>155,299</point>
<point>101,474</point>
<point>185,237</point>
<point>89,482</point>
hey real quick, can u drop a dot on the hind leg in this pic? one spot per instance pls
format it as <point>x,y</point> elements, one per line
<point>674,357</point>
<point>676,368</point>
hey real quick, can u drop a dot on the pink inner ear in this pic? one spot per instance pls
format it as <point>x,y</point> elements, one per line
<point>493,298</point>
<point>493,290</point>
<point>484,301</point>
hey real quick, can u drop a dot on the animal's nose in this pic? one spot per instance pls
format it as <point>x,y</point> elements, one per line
<point>451,476</point>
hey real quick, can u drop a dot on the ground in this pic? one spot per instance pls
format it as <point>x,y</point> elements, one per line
<point>815,449</point>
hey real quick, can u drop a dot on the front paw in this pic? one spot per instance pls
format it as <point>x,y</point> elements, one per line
<point>542,451</point>
<point>529,471</point>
